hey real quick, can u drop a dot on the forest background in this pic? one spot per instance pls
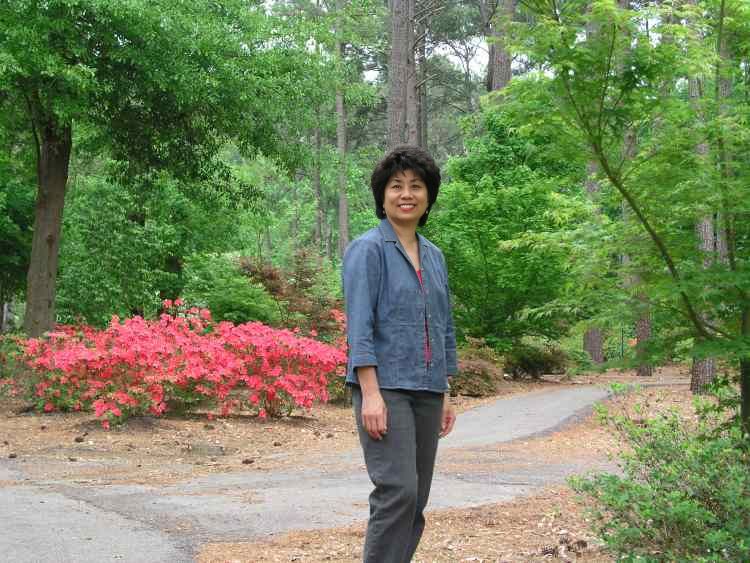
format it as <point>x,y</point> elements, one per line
<point>593,213</point>
<point>594,154</point>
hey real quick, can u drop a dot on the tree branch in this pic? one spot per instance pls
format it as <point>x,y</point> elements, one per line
<point>698,323</point>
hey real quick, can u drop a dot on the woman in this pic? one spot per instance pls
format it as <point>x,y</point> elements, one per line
<point>402,349</point>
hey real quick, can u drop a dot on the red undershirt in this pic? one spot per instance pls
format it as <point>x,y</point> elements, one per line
<point>427,351</point>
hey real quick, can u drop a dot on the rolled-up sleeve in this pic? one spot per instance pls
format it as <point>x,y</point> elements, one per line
<point>451,362</point>
<point>361,281</point>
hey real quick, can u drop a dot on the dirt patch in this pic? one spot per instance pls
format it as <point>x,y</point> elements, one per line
<point>547,524</point>
<point>149,450</point>
<point>664,375</point>
<point>167,449</point>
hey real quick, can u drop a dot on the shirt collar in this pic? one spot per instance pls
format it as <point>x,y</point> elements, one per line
<point>389,234</point>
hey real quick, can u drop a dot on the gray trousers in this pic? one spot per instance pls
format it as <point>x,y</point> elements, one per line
<point>400,467</point>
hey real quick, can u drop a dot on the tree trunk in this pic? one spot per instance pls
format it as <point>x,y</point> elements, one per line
<point>341,143</point>
<point>268,240</point>
<point>640,303</point>
<point>593,344</point>
<point>745,372</point>
<point>642,325</point>
<point>745,393</point>
<point>593,338</point>
<point>703,371</point>
<point>412,78</point>
<point>343,201</point>
<point>329,241</point>
<point>499,70</point>
<point>421,57</point>
<point>55,144</point>
<point>643,319</point>
<point>643,335</point>
<point>398,72</point>
<point>318,234</point>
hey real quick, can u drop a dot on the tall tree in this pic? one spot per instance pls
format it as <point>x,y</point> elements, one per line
<point>611,97</point>
<point>593,337</point>
<point>403,113</point>
<point>316,177</point>
<point>341,137</point>
<point>101,63</point>
<point>497,16</point>
<point>702,370</point>
<point>642,314</point>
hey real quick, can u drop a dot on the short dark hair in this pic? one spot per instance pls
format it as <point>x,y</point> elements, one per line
<point>400,159</point>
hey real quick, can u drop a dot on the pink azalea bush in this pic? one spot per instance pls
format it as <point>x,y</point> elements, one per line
<point>181,360</point>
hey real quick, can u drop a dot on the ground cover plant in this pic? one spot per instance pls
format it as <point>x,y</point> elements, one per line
<point>684,491</point>
<point>177,362</point>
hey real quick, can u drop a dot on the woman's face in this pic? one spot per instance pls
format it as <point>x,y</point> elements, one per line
<point>405,198</point>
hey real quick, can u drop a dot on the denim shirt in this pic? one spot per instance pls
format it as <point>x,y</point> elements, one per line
<point>387,310</point>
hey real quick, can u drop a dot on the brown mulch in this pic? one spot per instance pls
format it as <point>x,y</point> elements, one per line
<point>168,449</point>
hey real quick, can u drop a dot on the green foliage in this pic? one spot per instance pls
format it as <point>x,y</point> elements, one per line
<point>480,370</point>
<point>338,391</point>
<point>125,243</point>
<point>216,282</point>
<point>684,495</point>
<point>623,388</point>
<point>500,222</point>
<point>11,366</point>
<point>16,212</point>
<point>663,120</point>
<point>532,358</point>
<point>104,63</point>
<point>111,258</point>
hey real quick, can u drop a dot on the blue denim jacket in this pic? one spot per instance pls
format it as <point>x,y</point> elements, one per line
<point>386,309</point>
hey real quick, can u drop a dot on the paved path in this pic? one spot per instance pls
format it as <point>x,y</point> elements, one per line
<point>60,521</point>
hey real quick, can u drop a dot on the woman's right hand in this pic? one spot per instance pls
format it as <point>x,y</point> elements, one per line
<point>374,415</point>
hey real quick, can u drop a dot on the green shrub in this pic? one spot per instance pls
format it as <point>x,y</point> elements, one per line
<point>308,289</point>
<point>216,282</point>
<point>11,367</point>
<point>338,391</point>
<point>684,495</point>
<point>479,370</point>
<point>493,222</point>
<point>534,360</point>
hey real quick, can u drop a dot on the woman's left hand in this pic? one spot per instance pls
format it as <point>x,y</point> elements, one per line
<point>449,417</point>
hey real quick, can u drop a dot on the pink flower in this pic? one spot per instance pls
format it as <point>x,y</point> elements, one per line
<point>137,363</point>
